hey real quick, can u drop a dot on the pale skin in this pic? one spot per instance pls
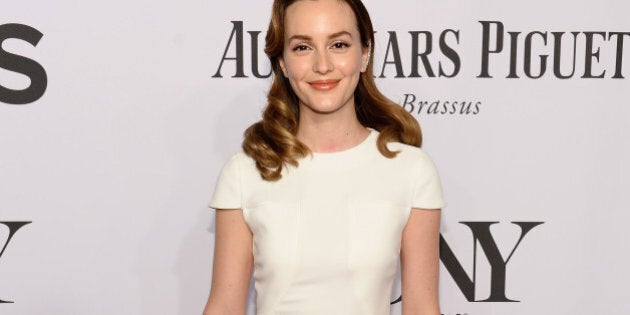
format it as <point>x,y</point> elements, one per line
<point>323,59</point>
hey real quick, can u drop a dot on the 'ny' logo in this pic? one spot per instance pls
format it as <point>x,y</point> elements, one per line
<point>483,236</point>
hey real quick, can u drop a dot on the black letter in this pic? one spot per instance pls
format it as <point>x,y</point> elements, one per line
<point>13,228</point>
<point>422,104</point>
<point>465,105</point>
<point>22,65</point>
<point>445,107</point>
<point>255,71</point>
<point>433,108</point>
<point>393,43</point>
<point>409,102</point>
<point>557,53</point>
<point>528,55</point>
<point>590,54</point>
<point>457,272</point>
<point>414,53</point>
<point>513,54</point>
<point>485,50</point>
<point>450,53</point>
<point>453,108</point>
<point>238,30</point>
<point>619,58</point>
<point>476,108</point>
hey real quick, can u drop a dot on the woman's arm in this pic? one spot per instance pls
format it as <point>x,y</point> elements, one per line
<point>419,262</point>
<point>232,266</point>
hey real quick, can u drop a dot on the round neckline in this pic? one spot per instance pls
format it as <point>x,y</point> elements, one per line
<point>344,159</point>
<point>349,150</point>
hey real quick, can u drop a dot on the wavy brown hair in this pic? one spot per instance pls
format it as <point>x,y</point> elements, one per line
<point>272,141</point>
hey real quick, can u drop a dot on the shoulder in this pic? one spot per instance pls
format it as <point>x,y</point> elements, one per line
<point>241,163</point>
<point>234,182</point>
<point>426,187</point>
<point>237,158</point>
<point>411,155</point>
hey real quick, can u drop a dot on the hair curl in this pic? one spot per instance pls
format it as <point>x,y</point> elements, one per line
<point>272,141</point>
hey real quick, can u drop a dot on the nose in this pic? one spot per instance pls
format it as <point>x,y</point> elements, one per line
<point>322,63</point>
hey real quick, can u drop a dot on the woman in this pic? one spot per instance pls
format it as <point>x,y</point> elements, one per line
<point>331,187</point>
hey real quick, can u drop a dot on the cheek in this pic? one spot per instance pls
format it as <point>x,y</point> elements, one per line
<point>296,67</point>
<point>350,65</point>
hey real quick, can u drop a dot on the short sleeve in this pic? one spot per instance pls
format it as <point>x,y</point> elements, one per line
<point>227,192</point>
<point>427,191</point>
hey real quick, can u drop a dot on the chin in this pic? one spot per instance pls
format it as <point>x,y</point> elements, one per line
<point>324,108</point>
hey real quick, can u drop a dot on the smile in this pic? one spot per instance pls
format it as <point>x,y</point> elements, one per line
<point>323,85</point>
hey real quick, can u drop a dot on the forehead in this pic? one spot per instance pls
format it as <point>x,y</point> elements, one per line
<point>319,17</point>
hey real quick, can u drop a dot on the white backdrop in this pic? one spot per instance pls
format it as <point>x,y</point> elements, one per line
<point>114,164</point>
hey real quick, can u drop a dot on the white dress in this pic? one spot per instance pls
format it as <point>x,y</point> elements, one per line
<point>327,235</point>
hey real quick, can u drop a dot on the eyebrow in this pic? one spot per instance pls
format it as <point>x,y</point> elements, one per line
<point>308,38</point>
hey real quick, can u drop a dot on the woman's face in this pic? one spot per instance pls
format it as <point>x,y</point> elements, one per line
<point>323,57</point>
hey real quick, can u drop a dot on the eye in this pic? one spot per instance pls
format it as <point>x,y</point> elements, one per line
<point>340,45</point>
<point>300,47</point>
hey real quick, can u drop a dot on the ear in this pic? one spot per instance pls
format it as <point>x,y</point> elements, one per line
<point>283,66</point>
<point>365,57</point>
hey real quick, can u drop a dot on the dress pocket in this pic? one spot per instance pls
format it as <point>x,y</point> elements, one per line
<point>376,231</point>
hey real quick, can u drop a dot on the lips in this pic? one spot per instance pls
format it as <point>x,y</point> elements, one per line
<point>323,85</point>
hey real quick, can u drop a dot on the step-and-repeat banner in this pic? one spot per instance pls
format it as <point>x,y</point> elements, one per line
<point>116,117</point>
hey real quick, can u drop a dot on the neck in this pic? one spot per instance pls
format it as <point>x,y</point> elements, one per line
<point>330,133</point>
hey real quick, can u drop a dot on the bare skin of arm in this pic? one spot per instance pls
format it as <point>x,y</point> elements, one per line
<point>419,261</point>
<point>232,266</point>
